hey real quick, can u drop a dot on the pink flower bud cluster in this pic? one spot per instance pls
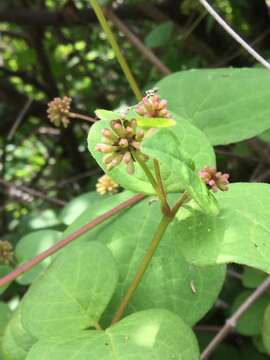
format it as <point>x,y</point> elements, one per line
<point>152,106</point>
<point>59,110</point>
<point>106,185</point>
<point>120,142</point>
<point>215,179</point>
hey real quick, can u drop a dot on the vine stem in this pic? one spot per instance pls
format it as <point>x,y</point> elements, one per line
<point>233,34</point>
<point>143,267</point>
<point>81,116</point>
<point>165,221</point>
<point>232,321</point>
<point>62,243</point>
<point>120,57</point>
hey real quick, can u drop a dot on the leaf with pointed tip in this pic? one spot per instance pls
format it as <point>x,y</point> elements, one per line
<point>192,141</point>
<point>229,105</point>
<point>151,335</point>
<point>240,233</point>
<point>170,282</point>
<point>72,294</point>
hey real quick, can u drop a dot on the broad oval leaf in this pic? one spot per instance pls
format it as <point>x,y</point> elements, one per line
<point>192,141</point>
<point>31,245</point>
<point>76,206</point>
<point>229,105</point>
<point>151,335</point>
<point>240,233</point>
<point>72,294</point>
<point>170,282</point>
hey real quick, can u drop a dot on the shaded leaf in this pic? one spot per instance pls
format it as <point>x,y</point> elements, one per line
<point>31,245</point>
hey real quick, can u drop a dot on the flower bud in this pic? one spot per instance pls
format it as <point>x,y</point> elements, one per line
<point>215,180</point>
<point>59,110</point>
<point>106,185</point>
<point>6,252</point>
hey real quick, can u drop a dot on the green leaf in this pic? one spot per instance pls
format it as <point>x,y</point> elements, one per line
<point>266,329</point>
<point>192,141</point>
<point>16,341</point>
<point>39,220</point>
<point>107,115</point>
<point>31,245</point>
<point>4,270</point>
<point>5,315</point>
<point>170,282</point>
<point>152,334</point>
<point>229,105</point>
<point>240,233</point>
<point>250,323</point>
<point>179,168</point>
<point>75,207</point>
<point>148,122</point>
<point>160,35</point>
<point>252,278</point>
<point>72,294</point>
<point>265,136</point>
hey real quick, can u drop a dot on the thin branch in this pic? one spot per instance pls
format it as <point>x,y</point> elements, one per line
<point>118,53</point>
<point>62,243</point>
<point>32,192</point>
<point>19,119</point>
<point>232,321</point>
<point>134,40</point>
<point>238,38</point>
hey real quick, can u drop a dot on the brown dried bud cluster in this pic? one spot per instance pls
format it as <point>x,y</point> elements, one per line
<point>59,110</point>
<point>120,142</point>
<point>215,179</point>
<point>6,252</point>
<point>152,106</point>
<point>106,185</point>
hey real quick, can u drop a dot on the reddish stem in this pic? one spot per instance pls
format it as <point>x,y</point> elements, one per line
<point>62,243</point>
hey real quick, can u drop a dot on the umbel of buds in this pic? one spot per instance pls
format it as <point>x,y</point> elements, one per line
<point>152,106</point>
<point>120,142</point>
<point>6,252</point>
<point>59,110</point>
<point>215,179</point>
<point>106,185</point>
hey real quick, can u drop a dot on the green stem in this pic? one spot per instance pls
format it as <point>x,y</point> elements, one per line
<point>164,203</point>
<point>111,39</point>
<point>165,221</point>
<point>81,116</point>
<point>147,172</point>
<point>146,260</point>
